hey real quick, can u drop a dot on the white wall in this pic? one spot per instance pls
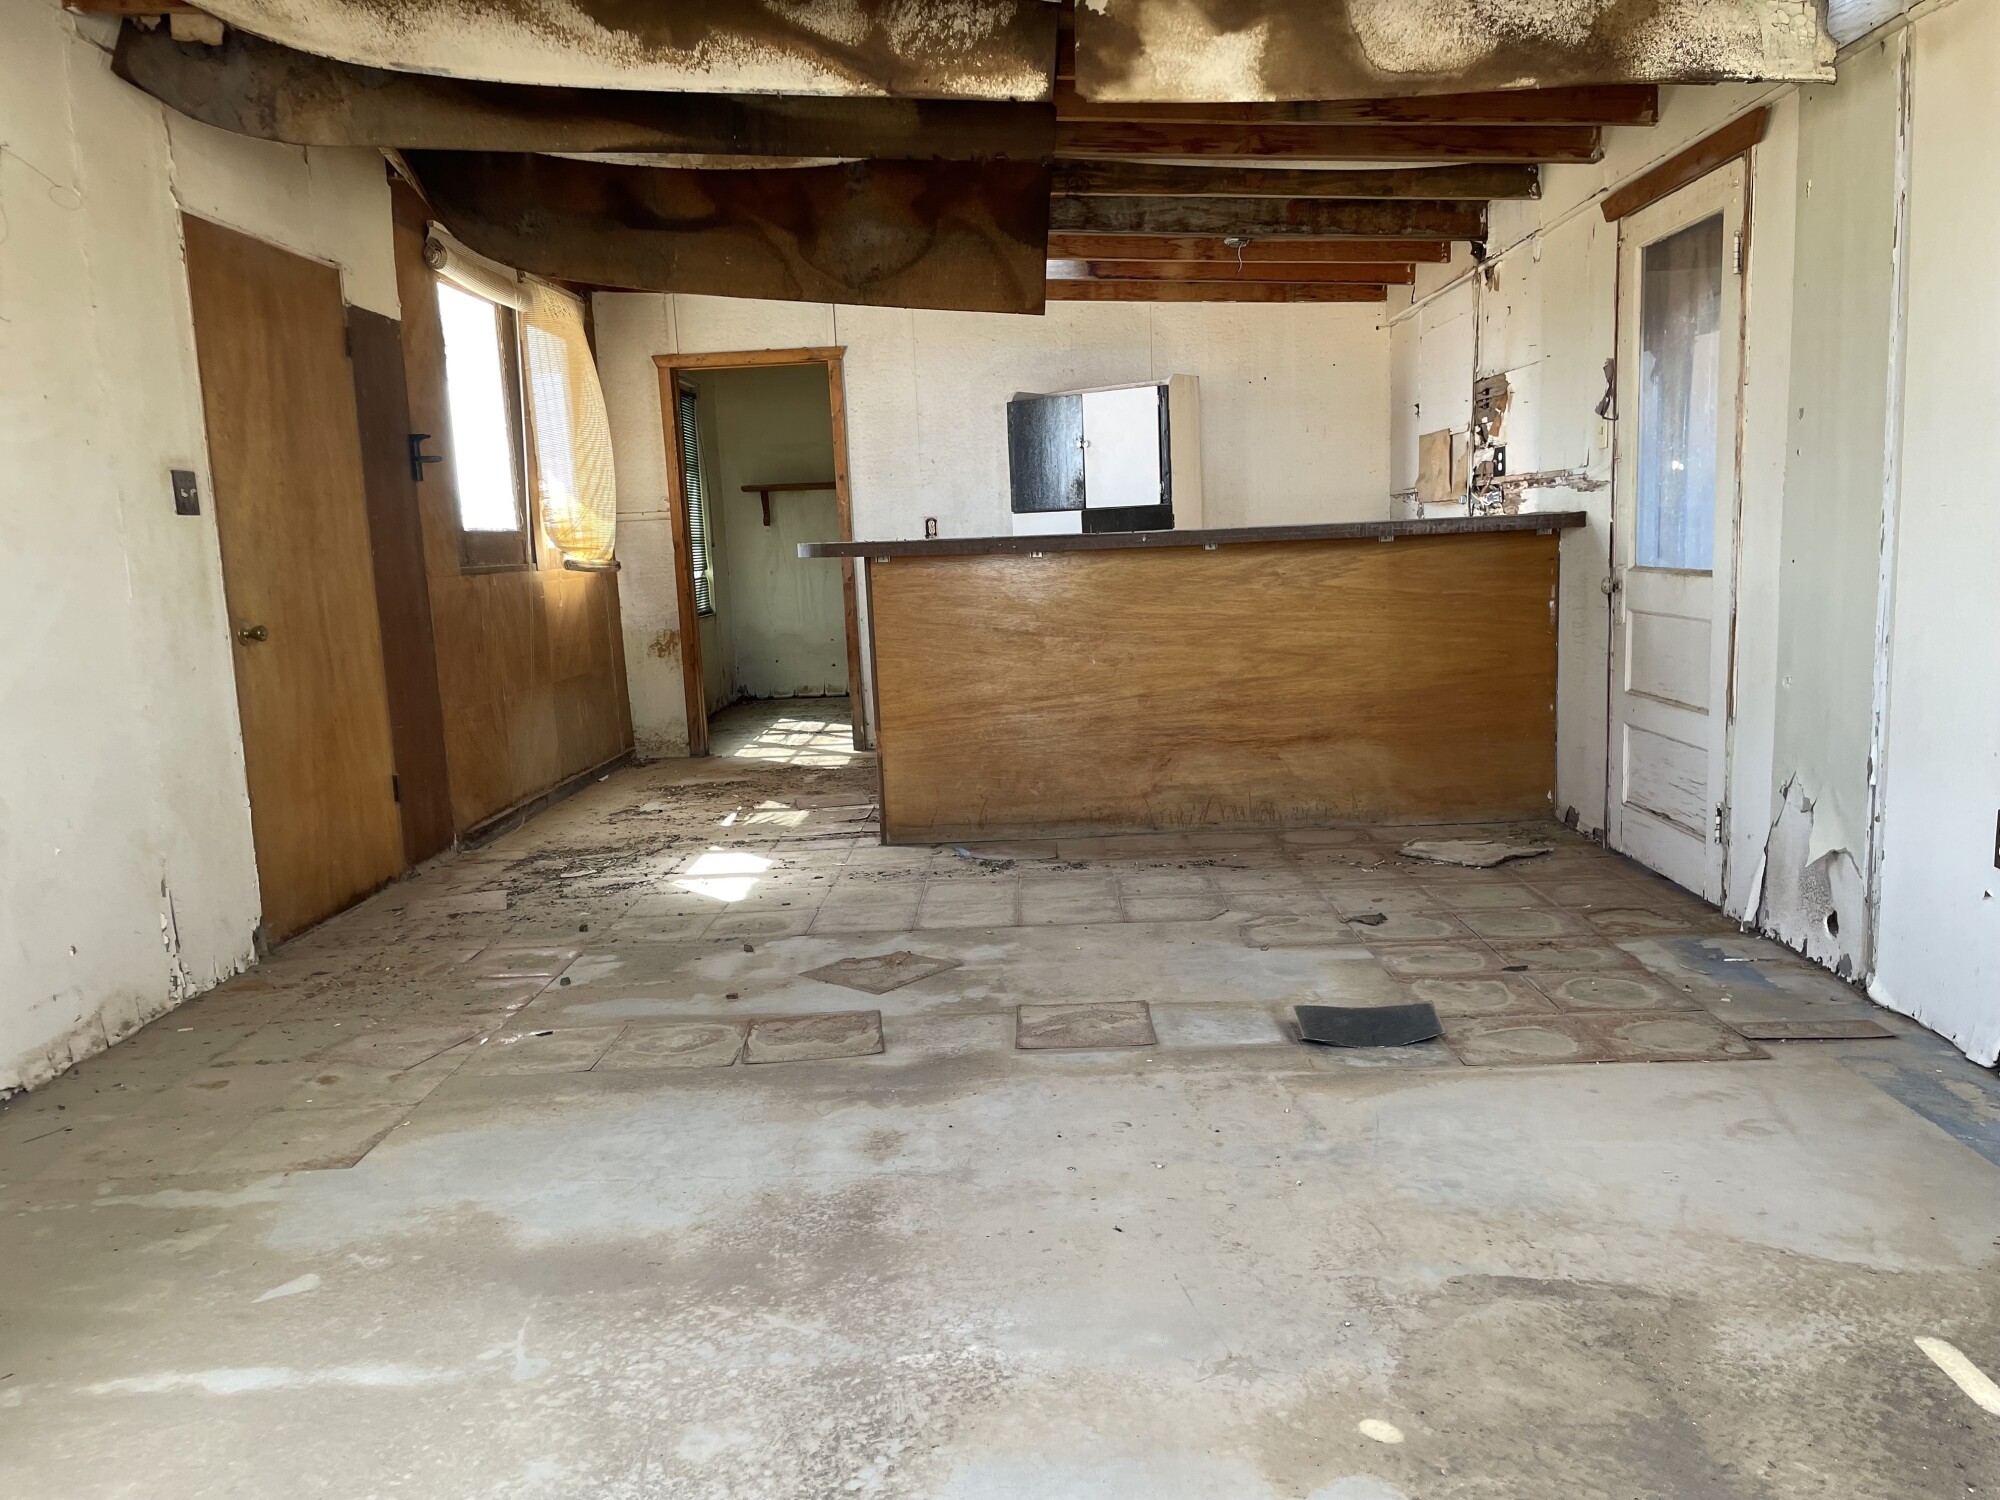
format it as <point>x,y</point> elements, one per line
<point>1840,447</point>
<point>1293,406</point>
<point>1938,953</point>
<point>127,881</point>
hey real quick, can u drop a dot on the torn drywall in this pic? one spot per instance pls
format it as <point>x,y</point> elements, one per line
<point>1812,900</point>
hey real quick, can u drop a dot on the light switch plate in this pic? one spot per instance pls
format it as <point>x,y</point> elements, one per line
<point>187,493</point>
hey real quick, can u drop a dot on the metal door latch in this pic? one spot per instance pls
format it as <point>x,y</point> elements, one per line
<point>418,458</point>
<point>253,633</point>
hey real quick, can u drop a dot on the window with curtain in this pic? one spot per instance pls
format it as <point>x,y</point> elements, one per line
<point>695,495</point>
<point>571,438</point>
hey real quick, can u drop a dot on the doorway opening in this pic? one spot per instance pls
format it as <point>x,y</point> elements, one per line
<point>757,450</point>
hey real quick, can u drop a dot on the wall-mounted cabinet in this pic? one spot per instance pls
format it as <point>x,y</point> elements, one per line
<point>1125,458</point>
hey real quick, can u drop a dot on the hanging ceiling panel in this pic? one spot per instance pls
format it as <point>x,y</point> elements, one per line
<point>1206,50</point>
<point>937,49</point>
<point>962,235</point>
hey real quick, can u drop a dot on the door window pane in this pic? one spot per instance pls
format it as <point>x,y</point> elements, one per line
<point>482,436</point>
<point>1680,364</point>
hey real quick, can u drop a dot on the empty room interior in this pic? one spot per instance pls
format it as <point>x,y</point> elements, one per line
<point>1144,748</point>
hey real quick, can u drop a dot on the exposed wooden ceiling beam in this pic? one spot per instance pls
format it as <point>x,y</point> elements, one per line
<point>1169,180</point>
<point>1204,291</point>
<point>1378,274</point>
<point>1399,219</point>
<point>1495,143</point>
<point>1609,104</point>
<point>1288,249</point>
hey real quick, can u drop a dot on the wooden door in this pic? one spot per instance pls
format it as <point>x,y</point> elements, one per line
<point>1674,528</point>
<point>291,511</point>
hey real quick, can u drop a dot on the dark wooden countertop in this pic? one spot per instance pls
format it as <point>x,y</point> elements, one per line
<point>973,546</point>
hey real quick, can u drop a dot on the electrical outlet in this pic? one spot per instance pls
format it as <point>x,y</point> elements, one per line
<point>930,526</point>
<point>1996,843</point>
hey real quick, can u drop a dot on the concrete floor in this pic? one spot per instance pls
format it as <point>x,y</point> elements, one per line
<point>432,1204</point>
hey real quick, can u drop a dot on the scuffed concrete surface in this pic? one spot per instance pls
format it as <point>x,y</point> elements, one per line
<point>1189,1271</point>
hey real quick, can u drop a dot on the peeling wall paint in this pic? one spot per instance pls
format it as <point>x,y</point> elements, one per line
<point>1938,936</point>
<point>127,878</point>
<point>1811,899</point>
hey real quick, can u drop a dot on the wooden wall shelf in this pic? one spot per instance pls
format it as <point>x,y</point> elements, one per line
<point>764,492</point>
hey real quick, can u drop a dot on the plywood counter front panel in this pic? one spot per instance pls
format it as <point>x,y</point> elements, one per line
<point>1255,685</point>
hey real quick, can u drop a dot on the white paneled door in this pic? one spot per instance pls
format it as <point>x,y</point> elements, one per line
<point>1674,528</point>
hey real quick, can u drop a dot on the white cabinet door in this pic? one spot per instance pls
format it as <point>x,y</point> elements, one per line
<point>1121,447</point>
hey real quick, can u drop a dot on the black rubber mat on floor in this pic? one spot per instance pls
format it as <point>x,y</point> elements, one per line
<point>1368,1025</point>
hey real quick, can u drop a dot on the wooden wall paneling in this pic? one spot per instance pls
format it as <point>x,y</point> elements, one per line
<point>291,509</point>
<point>1256,685</point>
<point>526,705</point>
<point>402,587</point>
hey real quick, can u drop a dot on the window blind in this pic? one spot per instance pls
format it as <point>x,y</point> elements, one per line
<point>695,495</point>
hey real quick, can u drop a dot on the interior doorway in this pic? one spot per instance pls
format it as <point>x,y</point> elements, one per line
<point>757,451</point>
<point>291,512</point>
<point>1674,528</point>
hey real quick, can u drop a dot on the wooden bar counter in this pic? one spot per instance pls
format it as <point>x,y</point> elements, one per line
<point>1392,671</point>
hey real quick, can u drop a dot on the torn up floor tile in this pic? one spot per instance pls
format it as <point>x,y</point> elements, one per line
<point>850,1033</point>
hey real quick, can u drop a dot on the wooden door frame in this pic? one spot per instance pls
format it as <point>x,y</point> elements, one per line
<point>671,367</point>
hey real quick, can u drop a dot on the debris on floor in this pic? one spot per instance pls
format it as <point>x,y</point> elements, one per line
<point>1474,854</point>
<point>852,1033</point>
<point>1812,1031</point>
<point>1116,1023</point>
<point>1367,1025</point>
<point>882,972</point>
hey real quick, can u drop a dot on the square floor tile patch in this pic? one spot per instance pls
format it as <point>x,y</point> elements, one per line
<point>882,972</point>
<point>1116,1023</point>
<point>851,1033</point>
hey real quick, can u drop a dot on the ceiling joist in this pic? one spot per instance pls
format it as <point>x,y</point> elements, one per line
<point>1258,217</point>
<point>1129,178</point>
<point>1614,104</point>
<point>1290,250</point>
<point>1249,272</point>
<point>1489,143</point>
<point>1198,291</point>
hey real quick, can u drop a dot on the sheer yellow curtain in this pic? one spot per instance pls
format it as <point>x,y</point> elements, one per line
<point>572,439</point>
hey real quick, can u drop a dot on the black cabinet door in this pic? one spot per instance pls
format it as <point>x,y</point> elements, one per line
<point>1045,452</point>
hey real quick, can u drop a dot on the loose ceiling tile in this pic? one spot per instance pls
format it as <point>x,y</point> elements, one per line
<point>1172,50</point>
<point>258,88</point>
<point>943,49</point>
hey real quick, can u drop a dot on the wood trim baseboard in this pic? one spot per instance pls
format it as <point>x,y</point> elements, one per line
<point>1697,161</point>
